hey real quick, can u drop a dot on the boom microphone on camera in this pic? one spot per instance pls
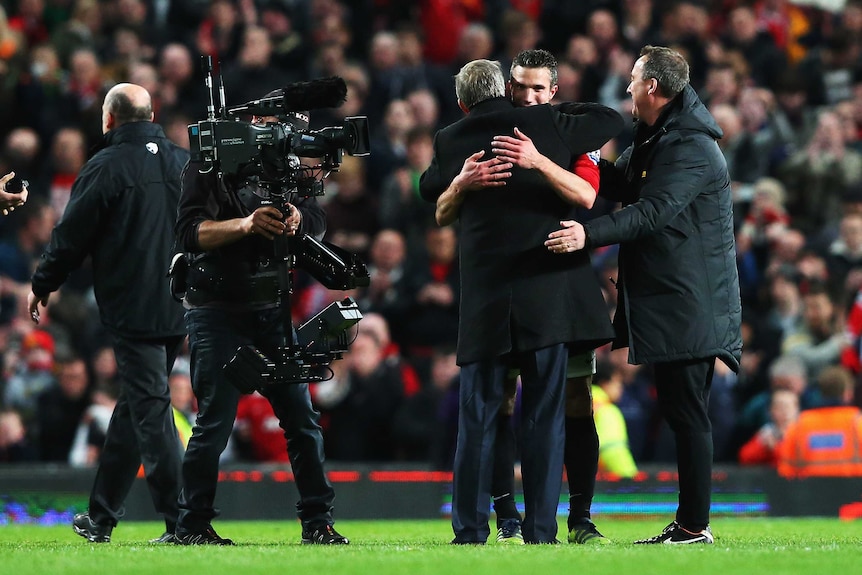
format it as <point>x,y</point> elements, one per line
<point>300,96</point>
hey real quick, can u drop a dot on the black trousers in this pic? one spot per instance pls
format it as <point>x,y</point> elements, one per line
<point>214,336</point>
<point>141,430</point>
<point>543,376</point>
<point>683,399</point>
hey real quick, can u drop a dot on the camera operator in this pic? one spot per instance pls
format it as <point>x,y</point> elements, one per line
<point>230,226</point>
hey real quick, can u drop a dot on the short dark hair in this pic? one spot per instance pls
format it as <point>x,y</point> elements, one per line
<point>668,67</point>
<point>536,59</point>
<point>124,111</point>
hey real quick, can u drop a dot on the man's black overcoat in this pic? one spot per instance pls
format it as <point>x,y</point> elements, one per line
<point>515,294</point>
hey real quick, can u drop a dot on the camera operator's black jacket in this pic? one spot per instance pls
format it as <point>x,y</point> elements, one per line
<point>515,294</point>
<point>206,197</point>
<point>121,212</point>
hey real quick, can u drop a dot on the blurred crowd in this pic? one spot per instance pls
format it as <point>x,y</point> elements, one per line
<point>783,78</point>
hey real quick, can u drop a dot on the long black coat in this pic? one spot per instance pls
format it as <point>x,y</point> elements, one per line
<point>678,282</point>
<point>515,294</point>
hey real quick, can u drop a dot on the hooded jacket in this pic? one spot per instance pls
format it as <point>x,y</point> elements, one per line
<point>678,282</point>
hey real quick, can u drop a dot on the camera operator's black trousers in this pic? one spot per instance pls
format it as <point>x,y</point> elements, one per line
<point>543,380</point>
<point>214,336</point>
<point>683,399</point>
<point>141,430</point>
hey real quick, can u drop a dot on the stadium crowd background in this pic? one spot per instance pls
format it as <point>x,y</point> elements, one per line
<point>783,78</point>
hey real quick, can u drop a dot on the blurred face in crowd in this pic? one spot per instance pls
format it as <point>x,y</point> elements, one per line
<point>819,313</point>
<point>784,408</point>
<point>73,379</point>
<point>365,355</point>
<point>388,250</point>
<point>531,86</point>
<point>442,244</point>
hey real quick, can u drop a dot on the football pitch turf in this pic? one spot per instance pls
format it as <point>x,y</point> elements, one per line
<point>742,546</point>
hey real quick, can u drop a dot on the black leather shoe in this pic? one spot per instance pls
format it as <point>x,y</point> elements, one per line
<point>323,535</point>
<point>167,537</point>
<point>92,532</point>
<point>206,537</point>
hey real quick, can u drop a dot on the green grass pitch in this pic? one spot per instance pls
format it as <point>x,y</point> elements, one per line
<point>742,546</point>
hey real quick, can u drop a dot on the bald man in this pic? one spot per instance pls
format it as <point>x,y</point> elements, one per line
<point>121,213</point>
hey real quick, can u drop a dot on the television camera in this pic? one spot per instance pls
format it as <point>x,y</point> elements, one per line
<point>268,154</point>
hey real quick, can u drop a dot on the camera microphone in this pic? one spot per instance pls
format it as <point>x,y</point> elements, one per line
<point>298,97</point>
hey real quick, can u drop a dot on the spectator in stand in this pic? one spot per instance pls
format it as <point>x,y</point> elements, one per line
<point>183,401</point>
<point>360,417</point>
<point>351,209</point>
<point>785,373</point>
<point>825,441</point>
<point>762,448</point>
<point>257,432</point>
<point>615,457</point>
<point>289,47</point>
<point>827,70</point>
<point>844,257</point>
<point>60,409</point>
<point>179,90</point>
<point>818,176</point>
<point>219,34</point>
<point>757,47</point>
<point>32,375</point>
<point>422,434</point>
<point>386,293</point>
<point>819,340</point>
<point>426,111</point>
<point>83,93</point>
<point>722,85</point>
<point>253,72</point>
<point>389,146</point>
<point>14,446</point>
<point>401,207</point>
<point>432,286</point>
<point>387,76</point>
<point>93,427</point>
<point>19,254</point>
<point>785,300</point>
<point>68,154</point>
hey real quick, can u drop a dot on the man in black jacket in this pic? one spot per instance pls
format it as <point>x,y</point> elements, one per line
<point>230,226</point>
<point>679,306</point>
<point>121,213</point>
<point>517,308</point>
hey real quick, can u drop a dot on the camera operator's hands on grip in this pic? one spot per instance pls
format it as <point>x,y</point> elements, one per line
<point>267,221</point>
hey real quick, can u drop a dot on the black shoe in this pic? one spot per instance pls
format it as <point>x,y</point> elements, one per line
<point>457,541</point>
<point>675,534</point>
<point>92,532</point>
<point>206,537</point>
<point>323,535</point>
<point>167,537</point>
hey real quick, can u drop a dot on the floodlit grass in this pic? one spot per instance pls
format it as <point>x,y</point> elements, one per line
<point>742,546</point>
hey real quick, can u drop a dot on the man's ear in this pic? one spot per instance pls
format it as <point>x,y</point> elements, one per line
<point>653,85</point>
<point>464,108</point>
